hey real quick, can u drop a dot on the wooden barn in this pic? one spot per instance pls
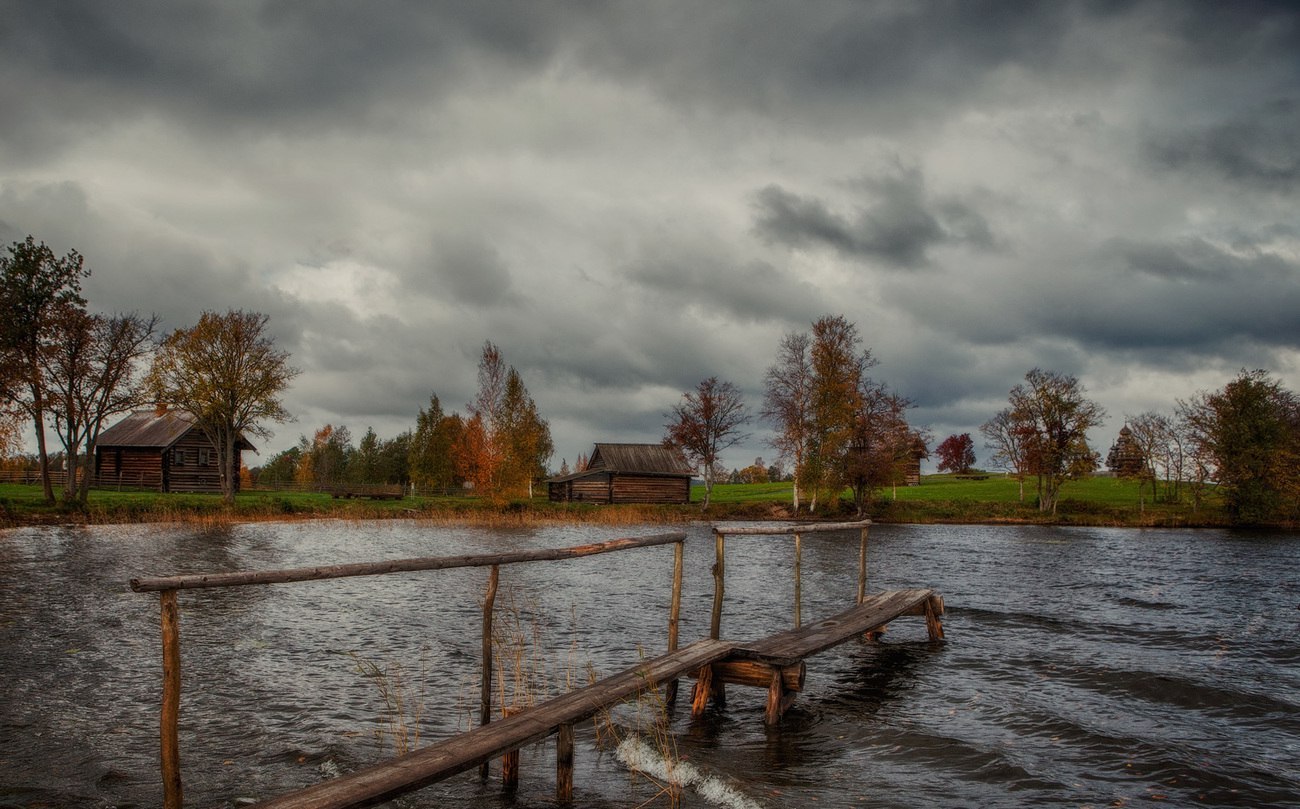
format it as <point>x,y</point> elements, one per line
<point>627,473</point>
<point>161,450</point>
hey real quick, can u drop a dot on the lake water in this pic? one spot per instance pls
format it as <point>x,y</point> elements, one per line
<point>1082,667</point>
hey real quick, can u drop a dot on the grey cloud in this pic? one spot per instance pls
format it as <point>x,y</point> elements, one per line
<point>896,222</point>
<point>753,291</point>
<point>463,269</point>
<point>1261,149</point>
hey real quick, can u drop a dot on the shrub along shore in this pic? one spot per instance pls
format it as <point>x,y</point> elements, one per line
<point>994,499</point>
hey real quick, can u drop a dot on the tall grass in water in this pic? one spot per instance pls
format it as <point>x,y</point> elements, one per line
<point>403,700</point>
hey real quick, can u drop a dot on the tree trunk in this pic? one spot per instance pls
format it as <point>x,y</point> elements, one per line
<point>38,419</point>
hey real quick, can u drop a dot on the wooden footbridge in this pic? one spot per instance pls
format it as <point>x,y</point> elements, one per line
<point>775,663</point>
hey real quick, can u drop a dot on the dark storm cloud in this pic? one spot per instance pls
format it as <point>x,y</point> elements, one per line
<point>896,222</point>
<point>754,291</point>
<point>464,269</point>
<point>1261,148</point>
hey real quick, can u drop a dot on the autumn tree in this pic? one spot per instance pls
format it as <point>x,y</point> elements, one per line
<point>882,446</point>
<point>92,366</point>
<point>35,285</point>
<point>525,438</point>
<point>956,454</point>
<point>432,466</point>
<point>1009,439</point>
<point>1250,431</point>
<point>1163,445</point>
<point>1049,410</point>
<point>228,374</point>
<point>706,422</point>
<point>839,368</point>
<point>787,403</point>
<point>515,444</point>
<point>323,460</point>
<point>473,455</point>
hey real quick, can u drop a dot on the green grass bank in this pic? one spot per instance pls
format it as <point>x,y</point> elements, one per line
<point>939,499</point>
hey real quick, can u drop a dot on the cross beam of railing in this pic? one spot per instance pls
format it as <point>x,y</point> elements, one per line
<point>719,566</point>
<point>169,586</point>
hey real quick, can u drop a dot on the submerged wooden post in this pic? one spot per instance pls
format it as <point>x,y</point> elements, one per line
<point>171,700</point>
<point>485,687</point>
<point>862,566</point>
<point>933,612</point>
<point>510,761</point>
<point>564,764</point>
<point>798,581</point>
<point>674,614</point>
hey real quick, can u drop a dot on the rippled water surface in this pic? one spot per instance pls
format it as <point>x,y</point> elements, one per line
<point>1082,667</point>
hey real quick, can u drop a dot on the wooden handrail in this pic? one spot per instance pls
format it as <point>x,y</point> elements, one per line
<point>168,587</point>
<point>240,578</point>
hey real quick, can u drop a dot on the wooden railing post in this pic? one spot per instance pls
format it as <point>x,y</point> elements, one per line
<point>719,585</point>
<point>798,581</point>
<point>564,764</point>
<point>485,689</point>
<point>173,797</point>
<point>862,566</point>
<point>674,614</point>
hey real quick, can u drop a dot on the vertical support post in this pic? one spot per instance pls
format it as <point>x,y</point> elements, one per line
<point>719,586</point>
<point>798,580</point>
<point>510,761</point>
<point>674,614</point>
<point>933,612</point>
<point>862,566</point>
<point>485,687</point>
<point>171,700</point>
<point>564,764</point>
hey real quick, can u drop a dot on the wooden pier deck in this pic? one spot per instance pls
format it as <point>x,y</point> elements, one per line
<point>775,662</point>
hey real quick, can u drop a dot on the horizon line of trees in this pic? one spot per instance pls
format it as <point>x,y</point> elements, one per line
<point>838,429</point>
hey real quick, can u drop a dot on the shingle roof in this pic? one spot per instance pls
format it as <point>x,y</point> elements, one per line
<point>149,429</point>
<point>646,459</point>
<point>636,459</point>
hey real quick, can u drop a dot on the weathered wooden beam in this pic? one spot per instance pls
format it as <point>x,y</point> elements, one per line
<point>719,583</point>
<point>173,793</point>
<point>674,616</point>
<point>758,674</point>
<point>564,764</point>
<point>803,528</point>
<point>198,580</point>
<point>798,580</point>
<point>862,566</point>
<point>485,684</point>
<point>385,781</point>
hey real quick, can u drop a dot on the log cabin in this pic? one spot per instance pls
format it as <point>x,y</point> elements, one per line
<point>163,450</point>
<point>627,473</point>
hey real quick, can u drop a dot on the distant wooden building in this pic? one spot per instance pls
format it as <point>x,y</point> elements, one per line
<point>162,450</point>
<point>627,473</point>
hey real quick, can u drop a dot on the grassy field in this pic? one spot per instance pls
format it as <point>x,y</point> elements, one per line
<point>939,498</point>
<point>996,499</point>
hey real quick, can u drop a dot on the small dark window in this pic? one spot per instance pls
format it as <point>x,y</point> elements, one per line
<point>205,459</point>
<point>178,457</point>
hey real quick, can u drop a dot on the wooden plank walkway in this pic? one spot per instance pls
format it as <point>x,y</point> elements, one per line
<point>774,662</point>
<point>385,781</point>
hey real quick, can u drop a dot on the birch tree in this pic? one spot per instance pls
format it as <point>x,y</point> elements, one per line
<point>91,366</point>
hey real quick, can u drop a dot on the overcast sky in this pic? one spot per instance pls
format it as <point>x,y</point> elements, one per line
<point>630,197</point>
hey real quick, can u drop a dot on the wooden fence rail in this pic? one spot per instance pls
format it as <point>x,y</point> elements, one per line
<point>169,586</point>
